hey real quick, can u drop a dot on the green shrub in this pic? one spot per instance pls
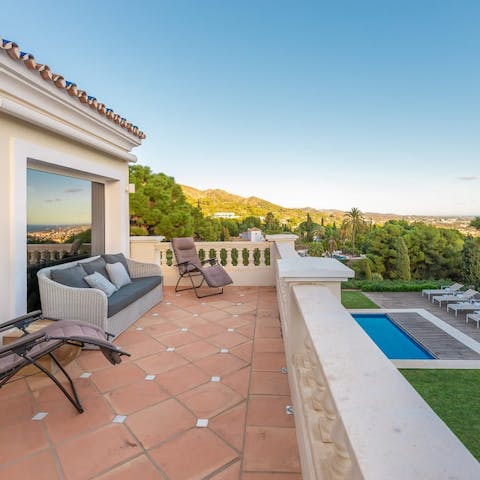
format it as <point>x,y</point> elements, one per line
<point>376,277</point>
<point>393,285</point>
<point>362,269</point>
<point>137,231</point>
<point>315,249</point>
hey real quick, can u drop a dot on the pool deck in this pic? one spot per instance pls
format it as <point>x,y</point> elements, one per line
<point>439,342</point>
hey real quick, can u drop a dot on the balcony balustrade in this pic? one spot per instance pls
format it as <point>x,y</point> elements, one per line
<point>47,252</point>
<point>248,263</point>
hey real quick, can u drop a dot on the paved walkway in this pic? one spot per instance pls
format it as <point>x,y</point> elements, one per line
<point>217,360</point>
<point>436,340</point>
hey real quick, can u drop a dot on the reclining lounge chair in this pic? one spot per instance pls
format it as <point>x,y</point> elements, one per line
<point>190,266</point>
<point>475,316</point>
<point>29,348</point>
<point>466,307</point>
<point>459,297</point>
<point>450,289</point>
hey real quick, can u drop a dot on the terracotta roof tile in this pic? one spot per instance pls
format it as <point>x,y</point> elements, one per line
<point>11,48</point>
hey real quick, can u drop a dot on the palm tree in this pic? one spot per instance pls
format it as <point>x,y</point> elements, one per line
<point>354,220</point>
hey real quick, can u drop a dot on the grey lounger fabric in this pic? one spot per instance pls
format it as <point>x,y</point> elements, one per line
<point>32,346</point>
<point>190,266</point>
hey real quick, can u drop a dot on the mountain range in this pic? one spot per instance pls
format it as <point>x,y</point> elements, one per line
<point>215,200</point>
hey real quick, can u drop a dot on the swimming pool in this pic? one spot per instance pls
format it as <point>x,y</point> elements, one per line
<point>391,339</point>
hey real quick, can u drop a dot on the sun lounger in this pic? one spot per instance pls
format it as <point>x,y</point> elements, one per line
<point>473,316</point>
<point>450,289</point>
<point>463,307</point>
<point>190,266</point>
<point>29,348</point>
<point>459,297</point>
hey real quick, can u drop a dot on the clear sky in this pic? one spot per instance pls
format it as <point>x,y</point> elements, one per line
<point>372,104</point>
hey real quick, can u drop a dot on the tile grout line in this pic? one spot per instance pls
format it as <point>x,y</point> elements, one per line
<point>247,407</point>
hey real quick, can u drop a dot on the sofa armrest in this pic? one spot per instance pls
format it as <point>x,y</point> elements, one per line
<point>60,302</point>
<point>141,269</point>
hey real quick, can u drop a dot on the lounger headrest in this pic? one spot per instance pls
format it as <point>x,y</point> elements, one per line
<point>184,243</point>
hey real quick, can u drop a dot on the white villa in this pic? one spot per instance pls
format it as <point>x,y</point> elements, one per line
<point>355,415</point>
<point>47,123</point>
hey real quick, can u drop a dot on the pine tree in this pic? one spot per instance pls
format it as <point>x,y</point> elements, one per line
<point>471,262</point>
<point>368,270</point>
<point>225,236</point>
<point>403,260</point>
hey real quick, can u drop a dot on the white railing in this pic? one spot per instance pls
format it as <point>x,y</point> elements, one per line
<point>356,417</point>
<point>44,252</point>
<point>248,263</point>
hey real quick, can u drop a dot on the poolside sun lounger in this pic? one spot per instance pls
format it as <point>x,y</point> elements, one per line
<point>459,297</point>
<point>442,291</point>
<point>475,316</point>
<point>463,307</point>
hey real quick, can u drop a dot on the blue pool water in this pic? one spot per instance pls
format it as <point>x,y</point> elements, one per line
<point>392,340</point>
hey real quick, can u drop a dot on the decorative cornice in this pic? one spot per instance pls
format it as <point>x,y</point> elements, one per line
<point>36,118</point>
<point>12,49</point>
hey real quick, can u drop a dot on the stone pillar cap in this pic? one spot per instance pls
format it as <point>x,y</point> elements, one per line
<point>313,268</point>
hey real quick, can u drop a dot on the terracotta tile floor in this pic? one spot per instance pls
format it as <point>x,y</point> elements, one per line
<point>223,366</point>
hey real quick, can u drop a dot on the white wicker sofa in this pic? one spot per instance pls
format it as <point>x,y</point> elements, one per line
<point>113,314</point>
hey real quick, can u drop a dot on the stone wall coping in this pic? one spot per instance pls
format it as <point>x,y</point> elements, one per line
<point>313,268</point>
<point>394,433</point>
<point>281,237</point>
<point>147,238</point>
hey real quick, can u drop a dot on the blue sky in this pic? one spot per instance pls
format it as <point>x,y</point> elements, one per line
<point>372,104</point>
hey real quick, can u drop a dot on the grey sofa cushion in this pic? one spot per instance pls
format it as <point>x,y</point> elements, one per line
<point>98,281</point>
<point>97,265</point>
<point>71,277</point>
<point>118,275</point>
<point>131,292</point>
<point>116,257</point>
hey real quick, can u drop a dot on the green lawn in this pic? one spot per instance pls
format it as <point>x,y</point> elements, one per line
<point>455,397</point>
<point>356,299</point>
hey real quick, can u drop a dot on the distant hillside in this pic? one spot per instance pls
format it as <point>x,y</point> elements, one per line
<point>216,200</point>
<point>212,201</point>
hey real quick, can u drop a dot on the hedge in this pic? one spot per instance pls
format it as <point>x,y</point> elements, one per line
<point>394,285</point>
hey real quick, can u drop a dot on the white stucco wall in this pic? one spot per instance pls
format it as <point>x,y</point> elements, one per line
<point>24,145</point>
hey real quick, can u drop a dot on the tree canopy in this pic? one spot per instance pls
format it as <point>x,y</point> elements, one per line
<point>397,249</point>
<point>475,223</point>
<point>159,207</point>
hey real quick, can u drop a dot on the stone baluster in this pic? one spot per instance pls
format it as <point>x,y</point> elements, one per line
<point>262,257</point>
<point>229,257</point>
